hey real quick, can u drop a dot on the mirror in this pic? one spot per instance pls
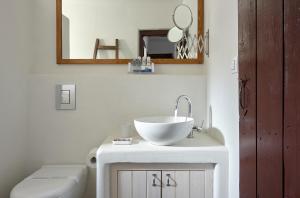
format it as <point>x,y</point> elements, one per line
<point>116,31</point>
<point>183,17</point>
<point>175,34</point>
<point>183,20</point>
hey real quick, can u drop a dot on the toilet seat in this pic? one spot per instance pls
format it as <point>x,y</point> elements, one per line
<point>53,182</point>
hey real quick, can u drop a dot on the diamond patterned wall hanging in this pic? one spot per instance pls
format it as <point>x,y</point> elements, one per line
<point>189,46</point>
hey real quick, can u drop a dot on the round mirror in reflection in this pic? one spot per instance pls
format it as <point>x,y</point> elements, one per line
<point>183,17</point>
<point>175,34</point>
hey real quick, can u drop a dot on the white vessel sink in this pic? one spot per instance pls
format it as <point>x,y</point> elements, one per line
<point>164,130</point>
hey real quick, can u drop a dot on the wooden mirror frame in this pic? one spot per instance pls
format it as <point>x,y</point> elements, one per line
<point>61,60</point>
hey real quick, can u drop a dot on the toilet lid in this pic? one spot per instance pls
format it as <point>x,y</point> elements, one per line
<point>74,172</point>
<point>43,188</point>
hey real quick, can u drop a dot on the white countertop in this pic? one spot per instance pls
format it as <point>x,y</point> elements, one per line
<point>200,149</point>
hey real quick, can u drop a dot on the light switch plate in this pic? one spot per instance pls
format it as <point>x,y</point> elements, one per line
<point>65,97</point>
<point>235,65</point>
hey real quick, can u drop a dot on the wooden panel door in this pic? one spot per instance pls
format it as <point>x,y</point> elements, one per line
<point>269,98</point>
<point>153,184</point>
<point>124,184</point>
<point>183,188</point>
<point>247,78</point>
<point>186,184</point>
<point>278,98</point>
<point>139,186</point>
<point>198,185</point>
<point>176,184</point>
<point>292,98</point>
<point>132,184</point>
<point>169,184</point>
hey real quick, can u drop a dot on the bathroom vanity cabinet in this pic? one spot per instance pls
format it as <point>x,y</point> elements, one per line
<point>162,181</point>
<point>193,168</point>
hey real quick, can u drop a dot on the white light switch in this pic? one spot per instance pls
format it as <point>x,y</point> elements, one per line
<point>234,65</point>
<point>66,97</point>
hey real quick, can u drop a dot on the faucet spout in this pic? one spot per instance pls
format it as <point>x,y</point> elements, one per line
<point>189,103</point>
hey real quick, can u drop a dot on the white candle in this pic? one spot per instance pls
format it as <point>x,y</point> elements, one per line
<point>145,52</point>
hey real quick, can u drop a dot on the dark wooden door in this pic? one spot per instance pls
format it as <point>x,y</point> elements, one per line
<point>292,98</point>
<point>269,57</point>
<point>261,98</point>
<point>269,98</point>
<point>247,75</point>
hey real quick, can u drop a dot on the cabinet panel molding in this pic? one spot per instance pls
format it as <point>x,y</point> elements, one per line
<point>197,184</point>
<point>182,179</point>
<point>124,184</point>
<point>139,179</point>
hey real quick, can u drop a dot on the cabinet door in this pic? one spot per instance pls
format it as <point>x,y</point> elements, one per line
<point>175,184</point>
<point>165,184</point>
<point>124,184</point>
<point>139,184</point>
<point>186,184</point>
<point>198,185</point>
<point>154,184</point>
<point>132,184</point>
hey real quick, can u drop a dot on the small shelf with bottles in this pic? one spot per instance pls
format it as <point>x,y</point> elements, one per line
<point>141,65</point>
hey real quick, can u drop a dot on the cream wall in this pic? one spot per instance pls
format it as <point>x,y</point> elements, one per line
<point>107,98</point>
<point>221,17</point>
<point>15,59</point>
<point>104,103</point>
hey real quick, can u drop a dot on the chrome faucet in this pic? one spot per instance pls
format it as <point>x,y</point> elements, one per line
<point>189,103</point>
<point>195,128</point>
<point>190,109</point>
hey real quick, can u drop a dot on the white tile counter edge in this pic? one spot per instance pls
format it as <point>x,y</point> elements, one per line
<point>201,149</point>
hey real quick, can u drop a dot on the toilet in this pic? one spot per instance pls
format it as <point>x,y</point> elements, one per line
<point>55,181</point>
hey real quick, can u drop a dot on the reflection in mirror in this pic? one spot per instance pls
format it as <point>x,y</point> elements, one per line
<point>156,44</point>
<point>183,17</point>
<point>175,34</point>
<point>122,29</point>
<point>159,47</point>
<point>188,44</point>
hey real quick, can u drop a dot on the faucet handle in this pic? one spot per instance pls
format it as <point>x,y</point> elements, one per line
<point>198,128</point>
